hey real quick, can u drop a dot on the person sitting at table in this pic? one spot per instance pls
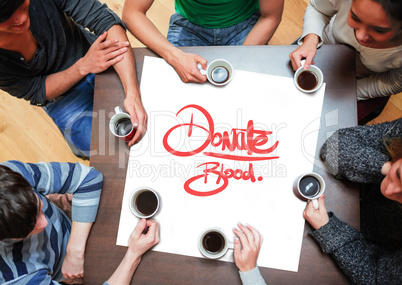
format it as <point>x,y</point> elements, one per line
<point>47,56</point>
<point>373,29</point>
<point>365,154</point>
<point>38,243</point>
<point>203,23</point>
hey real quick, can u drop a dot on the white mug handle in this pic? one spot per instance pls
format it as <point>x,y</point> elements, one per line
<point>118,110</point>
<point>230,245</point>
<point>315,203</point>
<point>203,71</point>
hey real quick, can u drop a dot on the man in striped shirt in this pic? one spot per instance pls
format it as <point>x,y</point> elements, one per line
<point>39,244</point>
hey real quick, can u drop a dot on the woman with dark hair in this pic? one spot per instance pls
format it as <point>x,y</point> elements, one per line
<point>49,53</point>
<point>373,29</point>
<point>371,155</point>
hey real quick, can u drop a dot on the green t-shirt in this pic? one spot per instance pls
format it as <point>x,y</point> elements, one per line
<point>216,13</point>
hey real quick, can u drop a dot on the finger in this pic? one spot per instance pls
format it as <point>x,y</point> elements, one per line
<point>113,53</point>
<point>141,226</point>
<point>202,61</point>
<point>247,232</point>
<point>139,133</point>
<point>308,61</point>
<point>237,249</point>
<point>256,234</point>
<point>321,203</point>
<point>295,60</point>
<point>242,237</point>
<point>101,38</point>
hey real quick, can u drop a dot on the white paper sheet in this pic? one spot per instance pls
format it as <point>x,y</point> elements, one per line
<point>273,104</point>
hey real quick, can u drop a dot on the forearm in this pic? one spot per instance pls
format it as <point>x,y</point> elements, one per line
<point>126,67</point>
<point>78,239</point>
<point>145,31</point>
<point>263,31</point>
<point>380,84</point>
<point>124,272</point>
<point>60,82</point>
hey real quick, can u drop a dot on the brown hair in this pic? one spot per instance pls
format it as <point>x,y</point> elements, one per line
<point>394,148</point>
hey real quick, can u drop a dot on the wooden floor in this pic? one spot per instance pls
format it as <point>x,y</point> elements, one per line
<point>29,135</point>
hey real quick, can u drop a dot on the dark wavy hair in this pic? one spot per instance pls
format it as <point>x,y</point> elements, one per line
<point>8,7</point>
<point>393,8</point>
<point>19,205</point>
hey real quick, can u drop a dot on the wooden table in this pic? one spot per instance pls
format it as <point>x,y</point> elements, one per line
<point>110,156</point>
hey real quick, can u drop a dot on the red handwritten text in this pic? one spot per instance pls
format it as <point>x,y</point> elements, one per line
<point>251,140</point>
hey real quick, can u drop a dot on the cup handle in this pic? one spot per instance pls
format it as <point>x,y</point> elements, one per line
<point>230,245</point>
<point>118,110</point>
<point>203,71</point>
<point>315,203</point>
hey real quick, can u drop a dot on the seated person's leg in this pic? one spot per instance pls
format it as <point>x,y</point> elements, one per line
<point>184,33</point>
<point>73,116</point>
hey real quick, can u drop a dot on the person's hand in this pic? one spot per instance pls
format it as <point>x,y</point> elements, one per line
<point>316,218</point>
<point>307,50</point>
<point>134,107</point>
<point>185,65</point>
<point>73,265</point>
<point>246,249</point>
<point>102,54</point>
<point>139,242</point>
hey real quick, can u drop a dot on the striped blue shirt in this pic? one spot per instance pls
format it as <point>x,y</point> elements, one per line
<point>38,259</point>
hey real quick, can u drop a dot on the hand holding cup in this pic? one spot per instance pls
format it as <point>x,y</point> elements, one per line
<point>309,186</point>
<point>219,72</point>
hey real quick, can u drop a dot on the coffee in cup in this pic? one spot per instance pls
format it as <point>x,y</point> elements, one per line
<point>144,202</point>
<point>213,243</point>
<point>120,125</point>
<point>309,80</point>
<point>219,72</point>
<point>309,186</point>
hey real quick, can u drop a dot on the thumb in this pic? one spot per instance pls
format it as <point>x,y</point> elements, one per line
<point>140,227</point>
<point>237,248</point>
<point>321,203</point>
<point>102,37</point>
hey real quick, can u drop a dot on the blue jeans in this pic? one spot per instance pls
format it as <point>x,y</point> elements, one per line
<point>72,113</point>
<point>184,33</point>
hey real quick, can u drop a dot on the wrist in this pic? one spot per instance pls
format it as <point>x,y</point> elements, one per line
<point>311,39</point>
<point>81,68</point>
<point>173,56</point>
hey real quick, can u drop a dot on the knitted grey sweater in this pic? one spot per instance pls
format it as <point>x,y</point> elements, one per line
<point>374,255</point>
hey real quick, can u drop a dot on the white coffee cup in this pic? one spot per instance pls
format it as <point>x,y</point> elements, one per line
<point>213,243</point>
<point>309,80</point>
<point>117,119</point>
<point>144,202</point>
<point>310,186</point>
<point>219,72</point>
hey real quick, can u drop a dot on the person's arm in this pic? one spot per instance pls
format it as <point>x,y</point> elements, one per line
<point>360,262</point>
<point>317,16</point>
<point>264,29</point>
<point>73,263</point>
<point>357,153</point>
<point>246,250</point>
<point>380,84</point>
<point>138,244</point>
<point>128,77</point>
<point>185,64</point>
<point>102,54</point>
